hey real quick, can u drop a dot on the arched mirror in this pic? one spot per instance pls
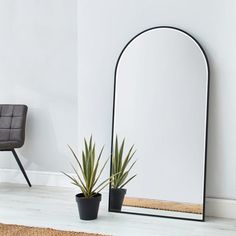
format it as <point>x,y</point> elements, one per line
<point>160,106</point>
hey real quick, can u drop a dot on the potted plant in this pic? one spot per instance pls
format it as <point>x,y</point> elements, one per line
<point>87,175</point>
<point>121,167</point>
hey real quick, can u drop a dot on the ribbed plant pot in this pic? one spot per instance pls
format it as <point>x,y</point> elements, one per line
<point>88,207</point>
<point>117,198</point>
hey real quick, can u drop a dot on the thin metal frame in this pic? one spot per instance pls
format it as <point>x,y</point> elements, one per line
<point>20,165</point>
<point>206,131</point>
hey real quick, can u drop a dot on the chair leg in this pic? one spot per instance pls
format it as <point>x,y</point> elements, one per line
<point>21,167</point>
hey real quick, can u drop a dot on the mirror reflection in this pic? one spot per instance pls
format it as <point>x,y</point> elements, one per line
<point>160,108</point>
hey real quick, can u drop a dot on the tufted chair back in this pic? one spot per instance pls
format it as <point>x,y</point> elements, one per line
<point>12,126</point>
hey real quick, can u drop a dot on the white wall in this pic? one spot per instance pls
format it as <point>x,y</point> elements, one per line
<point>105,26</point>
<point>38,61</point>
<point>38,50</point>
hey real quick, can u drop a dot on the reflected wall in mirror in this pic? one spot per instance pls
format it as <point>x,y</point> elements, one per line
<point>161,106</point>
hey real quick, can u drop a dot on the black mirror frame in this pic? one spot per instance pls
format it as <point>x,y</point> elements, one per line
<point>207,115</point>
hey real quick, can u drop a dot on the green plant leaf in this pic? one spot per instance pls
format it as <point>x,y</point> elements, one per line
<point>127,181</point>
<point>106,181</point>
<point>101,171</point>
<point>116,157</point>
<point>120,157</point>
<point>128,159</point>
<point>78,162</point>
<point>120,165</point>
<point>86,147</point>
<point>88,172</point>
<point>82,183</point>
<point>99,190</point>
<point>75,182</point>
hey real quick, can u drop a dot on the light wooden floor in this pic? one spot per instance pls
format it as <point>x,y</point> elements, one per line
<point>56,208</point>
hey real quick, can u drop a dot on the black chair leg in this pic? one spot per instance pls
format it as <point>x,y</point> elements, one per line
<point>21,167</point>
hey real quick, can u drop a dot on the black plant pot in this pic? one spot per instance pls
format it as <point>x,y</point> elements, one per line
<point>88,207</point>
<point>117,198</point>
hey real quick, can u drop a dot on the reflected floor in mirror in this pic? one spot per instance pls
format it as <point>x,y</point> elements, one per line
<point>162,208</point>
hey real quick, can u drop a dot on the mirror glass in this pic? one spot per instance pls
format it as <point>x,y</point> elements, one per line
<point>160,106</point>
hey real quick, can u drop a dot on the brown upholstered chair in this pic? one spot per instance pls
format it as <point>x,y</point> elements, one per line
<point>12,130</point>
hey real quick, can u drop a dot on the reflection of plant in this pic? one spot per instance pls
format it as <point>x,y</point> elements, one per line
<point>119,165</point>
<point>87,179</point>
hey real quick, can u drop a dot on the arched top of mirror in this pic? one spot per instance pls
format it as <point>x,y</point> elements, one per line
<point>180,54</point>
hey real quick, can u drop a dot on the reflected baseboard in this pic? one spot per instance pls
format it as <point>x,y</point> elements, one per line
<point>215,207</point>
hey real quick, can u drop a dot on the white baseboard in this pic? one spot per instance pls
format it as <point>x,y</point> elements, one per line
<point>221,208</point>
<point>56,179</point>
<point>214,206</point>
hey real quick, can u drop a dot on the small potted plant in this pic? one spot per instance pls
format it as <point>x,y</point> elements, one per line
<point>119,174</point>
<point>87,175</point>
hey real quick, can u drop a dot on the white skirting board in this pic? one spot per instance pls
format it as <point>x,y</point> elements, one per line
<point>214,206</point>
<point>224,208</point>
<point>56,179</point>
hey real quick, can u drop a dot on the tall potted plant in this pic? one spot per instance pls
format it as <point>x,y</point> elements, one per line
<point>121,167</point>
<point>87,175</point>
